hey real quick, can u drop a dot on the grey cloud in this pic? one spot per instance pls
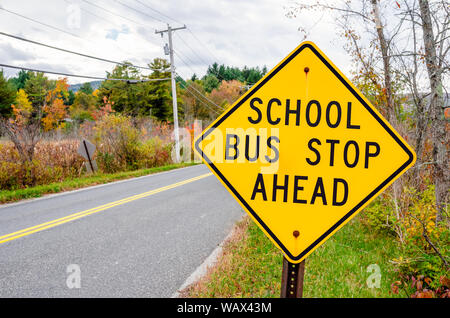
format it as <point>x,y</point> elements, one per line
<point>8,53</point>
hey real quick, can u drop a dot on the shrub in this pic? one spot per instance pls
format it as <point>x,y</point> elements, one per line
<point>123,146</point>
<point>424,245</point>
<point>53,162</point>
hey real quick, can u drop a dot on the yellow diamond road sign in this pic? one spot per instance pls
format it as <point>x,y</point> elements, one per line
<point>303,151</point>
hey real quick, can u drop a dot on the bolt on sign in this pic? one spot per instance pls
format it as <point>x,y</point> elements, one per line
<point>303,151</point>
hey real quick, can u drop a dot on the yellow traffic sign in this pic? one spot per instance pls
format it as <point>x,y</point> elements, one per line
<point>303,151</point>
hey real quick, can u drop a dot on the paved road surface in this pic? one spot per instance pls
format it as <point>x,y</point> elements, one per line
<point>156,232</point>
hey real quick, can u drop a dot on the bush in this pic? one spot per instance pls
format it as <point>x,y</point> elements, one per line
<point>425,249</point>
<point>122,143</point>
<point>53,162</point>
<point>122,146</point>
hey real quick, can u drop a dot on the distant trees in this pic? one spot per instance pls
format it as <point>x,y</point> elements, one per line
<point>200,97</point>
<point>150,98</point>
<point>221,86</point>
<point>83,106</point>
<point>227,93</point>
<point>7,96</point>
<point>86,88</point>
<point>229,73</point>
<point>19,81</point>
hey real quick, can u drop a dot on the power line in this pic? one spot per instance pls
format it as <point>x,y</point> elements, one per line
<point>248,85</point>
<point>212,70</point>
<point>110,22</point>
<point>113,13</point>
<point>143,13</point>
<point>128,80</point>
<point>71,52</point>
<point>204,45</point>
<point>201,94</point>
<point>197,98</point>
<point>201,59</point>
<point>93,14</point>
<point>42,23</point>
<point>184,62</point>
<point>157,11</point>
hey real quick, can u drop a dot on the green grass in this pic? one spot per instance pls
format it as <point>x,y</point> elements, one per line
<point>76,183</point>
<point>251,266</point>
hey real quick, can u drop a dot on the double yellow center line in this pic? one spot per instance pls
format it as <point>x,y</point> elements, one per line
<point>78,215</point>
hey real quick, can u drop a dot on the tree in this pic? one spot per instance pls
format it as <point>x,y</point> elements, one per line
<point>408,41</point>
<point>227,73</point>
<point>83,107</point>
<point>120,92</point>
<point>19,81</point>
<point>159,92</point>
<point>7,96</point>
<point>436,49</point>
<point>210,82</point>
<point>86,88</point>
<point>227,93</point>
<point>54,109</point>
<point>22,128</point>
<point>196,106</point>
<point>22,106</point>
<point>70,98</point>
<point>37,87</point>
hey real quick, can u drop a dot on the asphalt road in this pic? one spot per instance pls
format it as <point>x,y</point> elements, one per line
<point>156,232</point>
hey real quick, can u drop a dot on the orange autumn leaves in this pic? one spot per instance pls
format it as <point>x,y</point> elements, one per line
<point>54,109</point>
<point>53,112</point>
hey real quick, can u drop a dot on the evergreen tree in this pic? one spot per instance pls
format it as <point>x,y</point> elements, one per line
<point>210,82</point>
<point>160,91</point>
<point>36,88</point>
<point>7,96</point>
<point>19,81</point>
<point>86,88</point>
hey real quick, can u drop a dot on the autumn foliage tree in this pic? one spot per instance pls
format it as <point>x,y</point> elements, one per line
<point>227,93</point>
<point>23,128</point>
<point>54,109</point>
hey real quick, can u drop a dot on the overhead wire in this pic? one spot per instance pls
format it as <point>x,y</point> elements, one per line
<point>201,94</point>
<point>39,22</point>
<point>138,11</point>
<point>121,16</point>
<point>71,52</point>
<point>112,13</point>
<point>157,11</point>
<point>197,98</point>
<point>128,80</point>
<point>45,24</point>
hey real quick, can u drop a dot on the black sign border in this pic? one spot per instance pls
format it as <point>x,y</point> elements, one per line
<point>352,211</point>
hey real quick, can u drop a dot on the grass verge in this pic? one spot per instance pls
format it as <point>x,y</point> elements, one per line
<point>250,266</point>
<point>76,183</point>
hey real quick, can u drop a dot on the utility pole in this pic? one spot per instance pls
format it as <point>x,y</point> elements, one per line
<point>174,88</point>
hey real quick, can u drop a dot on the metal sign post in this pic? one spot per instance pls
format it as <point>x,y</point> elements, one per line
<point>292,279</point>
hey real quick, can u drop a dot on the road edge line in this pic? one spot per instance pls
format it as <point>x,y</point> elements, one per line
<point>209,262</point>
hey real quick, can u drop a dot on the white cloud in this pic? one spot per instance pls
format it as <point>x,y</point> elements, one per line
<point>233,32</point>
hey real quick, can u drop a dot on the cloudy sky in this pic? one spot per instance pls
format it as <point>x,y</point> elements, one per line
<point>233,32</point>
